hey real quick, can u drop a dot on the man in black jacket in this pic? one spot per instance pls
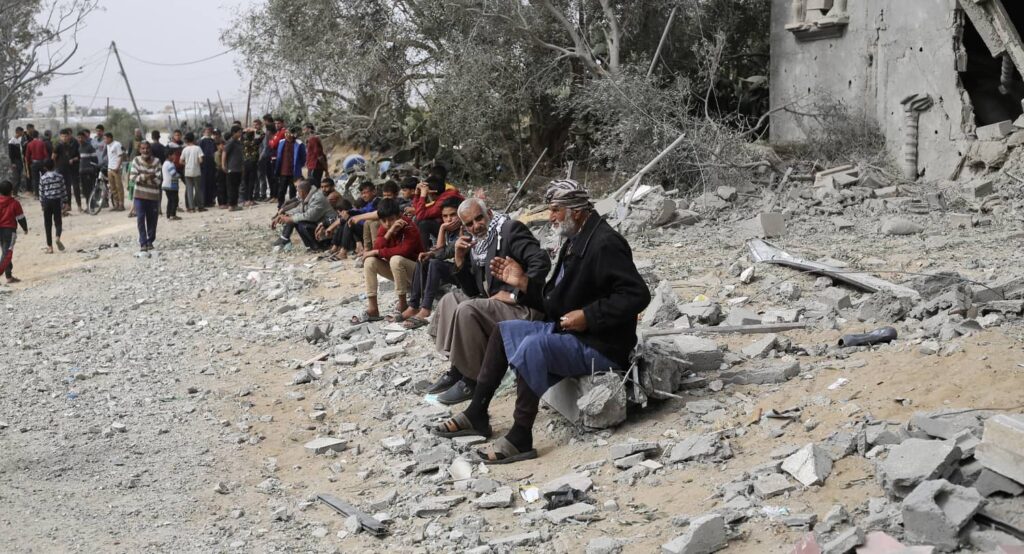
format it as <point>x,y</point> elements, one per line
<point>466,320</point>
<point>590,304</point>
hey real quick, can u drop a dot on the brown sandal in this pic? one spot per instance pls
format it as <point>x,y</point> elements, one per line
<point>459,426</point>
<point>504,452</point>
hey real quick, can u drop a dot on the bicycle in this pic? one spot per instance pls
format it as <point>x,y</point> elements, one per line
<point>100,196</point>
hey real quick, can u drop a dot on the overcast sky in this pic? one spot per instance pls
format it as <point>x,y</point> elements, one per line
<point>154,31</point>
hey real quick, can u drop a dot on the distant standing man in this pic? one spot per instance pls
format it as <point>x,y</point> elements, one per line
<point>114,161</point>
<point>65,156</point>
<point>36,153</point>
<point>192,158</point>
<point>87,164</point>
<point>316,159</point>
<point>208,183</point>
<point>147,173</point>
<point>291,158</point>
<point>16,153</point>
<point>233,164</point>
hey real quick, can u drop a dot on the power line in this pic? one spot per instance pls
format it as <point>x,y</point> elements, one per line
<point>99,84</point>
<point>127,55</point>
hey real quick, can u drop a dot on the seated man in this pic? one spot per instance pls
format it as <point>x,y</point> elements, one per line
<point>352,230</point>
<point>333,229</point>
<point>393,257</point>
<point>407,193</point>
<point>466,319</point>
<point>307,228</point>
<point>434,268</point>
<point>311,209</point>
<point>427,203</point>
<point>369,220</point>
<point>590,304</point>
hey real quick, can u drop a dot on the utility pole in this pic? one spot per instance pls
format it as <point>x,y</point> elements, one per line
<point>65,102</point>
<point>138,116</point>
<point>248,105</point>
<point>209,106</point>
<point>175,108</point>
<point>223,112</point>
<point>107,113</point>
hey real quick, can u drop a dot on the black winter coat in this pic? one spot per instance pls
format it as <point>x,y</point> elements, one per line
<point>514,241</point>
<point>601,279</point>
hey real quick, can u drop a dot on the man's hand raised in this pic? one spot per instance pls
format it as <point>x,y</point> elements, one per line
<point>509,271</point>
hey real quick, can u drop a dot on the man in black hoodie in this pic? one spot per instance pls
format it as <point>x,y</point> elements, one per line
<point>590,303</point>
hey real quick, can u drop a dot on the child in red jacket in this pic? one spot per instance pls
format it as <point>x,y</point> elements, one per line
<point>11,215</point>
<point>393,257</point>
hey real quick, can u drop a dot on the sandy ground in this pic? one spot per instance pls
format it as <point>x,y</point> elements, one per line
<point>986,374</point>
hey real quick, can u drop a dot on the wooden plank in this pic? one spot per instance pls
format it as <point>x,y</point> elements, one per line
<point>346,509</point>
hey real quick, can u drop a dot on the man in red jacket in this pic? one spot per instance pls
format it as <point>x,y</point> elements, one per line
<point>430,194</point>
<point>393,257</point>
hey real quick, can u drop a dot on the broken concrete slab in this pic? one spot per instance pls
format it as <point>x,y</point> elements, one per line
<point>624,449</point>
<point>573,511</point>
<point>325,444</point>
<point>771,225</point>
<point>936,510</point>
<point>741,316</point>
<point>708,313</point>
<point>604,405</point>
<point>500,498</point>
<point>995,131</point>
<point>915,461</point>
<point>576,481</point>
<point>437,505</point>
<point>989,482</point>
<point>695,448</point>
<point>836,297</point>
<point>705,535</point>
<point>946,424</point>
<point>844,542</point>
<point>513,541</point>
<point>685,353</point>
<point>777,372</point>
<point>761,347</point>
<point>771,485</point>
<point>900,226</point>
<point>1002,446</point>
<point>604,545</point>
<point>978,188</point>
<point>663,309</point>
<point>810,465</point>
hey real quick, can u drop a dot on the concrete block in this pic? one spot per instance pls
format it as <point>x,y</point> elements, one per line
<point>514,541</point>
<point>1002,446</point>
<point>915,461</point>
<point>501,498</point>
<point>995,131</point>
<point>990,482</point>
<point>741,316</point>
<point>604,545</point>
<point>887,192</point>
<point>844,542</point>
<point>705,535</point>
<point>836,298</point>
<point>899,226</point>
<point>689,353</point>
<point>810,465</point>
<point>726,193</point>
<point>945,425</point>
<point>573,511</point>
<point>772,484</point>
<point>843,180</point>
<point>778,372</point>
<point>325,444</point>
<point>781,316</point>
<point>695,448</point>
<point>935,512</point>
<point>663,308</point>
<point>708,313</point>
<point>771,224</point>
<point>604,405</point>
<point>992,540</point>
<point>624,449</point>
<point>761,347</point>
<point>576,481</point>
<point>979,188</point>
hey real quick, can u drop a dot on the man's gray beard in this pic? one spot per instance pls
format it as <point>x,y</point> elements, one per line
<point>568,229</point>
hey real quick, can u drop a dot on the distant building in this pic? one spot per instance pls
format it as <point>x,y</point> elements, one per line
<point>956,58</point>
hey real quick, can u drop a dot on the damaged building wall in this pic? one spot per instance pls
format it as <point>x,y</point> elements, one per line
<point>887,52</point>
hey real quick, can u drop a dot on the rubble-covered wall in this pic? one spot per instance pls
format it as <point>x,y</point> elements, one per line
<point>888,51</point>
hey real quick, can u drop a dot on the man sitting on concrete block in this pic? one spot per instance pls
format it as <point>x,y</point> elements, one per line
<point>591,304</point>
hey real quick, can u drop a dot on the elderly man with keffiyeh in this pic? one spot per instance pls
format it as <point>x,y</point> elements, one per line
<point>590,302</point>
<point>465,319</point>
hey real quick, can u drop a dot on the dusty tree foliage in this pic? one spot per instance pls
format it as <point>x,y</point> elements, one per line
<point>37,40</point>
<point>486,85</point>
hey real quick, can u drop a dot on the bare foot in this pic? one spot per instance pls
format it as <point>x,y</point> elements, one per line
<point>409,312</point>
